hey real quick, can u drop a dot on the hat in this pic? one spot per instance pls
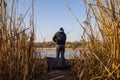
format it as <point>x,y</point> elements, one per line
<point>61,29</point>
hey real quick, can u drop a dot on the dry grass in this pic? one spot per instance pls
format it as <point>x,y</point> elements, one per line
<point>103,61</point>
<point>17,56</point>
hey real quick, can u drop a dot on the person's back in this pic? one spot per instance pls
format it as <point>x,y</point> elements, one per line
<point>60,39</point>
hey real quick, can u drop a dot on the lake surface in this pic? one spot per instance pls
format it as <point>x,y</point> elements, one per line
<point>69,54</point>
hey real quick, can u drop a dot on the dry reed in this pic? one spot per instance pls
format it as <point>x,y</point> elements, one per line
<point>17,56</point>
<point>103,40</point>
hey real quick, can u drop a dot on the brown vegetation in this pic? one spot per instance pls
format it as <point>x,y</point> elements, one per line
<point>68,45</point>
<point>17,56</point>
<point>103,61</point>
<point>18,59</point>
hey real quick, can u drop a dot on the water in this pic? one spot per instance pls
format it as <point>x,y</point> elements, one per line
<point>69,54</point>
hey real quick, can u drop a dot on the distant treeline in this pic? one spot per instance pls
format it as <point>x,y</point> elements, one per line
<point>52,44</point>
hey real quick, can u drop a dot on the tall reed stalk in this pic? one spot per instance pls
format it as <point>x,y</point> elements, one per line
<point>103,61</point>
<point>17,56</point>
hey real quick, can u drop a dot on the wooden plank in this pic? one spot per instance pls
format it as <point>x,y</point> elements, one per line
<point>59,77</point>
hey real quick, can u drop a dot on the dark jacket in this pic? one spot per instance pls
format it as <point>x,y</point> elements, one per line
<point>60,38</point>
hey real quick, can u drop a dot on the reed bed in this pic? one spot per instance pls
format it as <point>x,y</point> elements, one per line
<point>103,40</point>
<point>17,56</point>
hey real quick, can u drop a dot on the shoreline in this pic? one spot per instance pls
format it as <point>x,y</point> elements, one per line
<point>65,49</point>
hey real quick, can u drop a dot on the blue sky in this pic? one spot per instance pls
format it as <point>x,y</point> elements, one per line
<point>50,15</point>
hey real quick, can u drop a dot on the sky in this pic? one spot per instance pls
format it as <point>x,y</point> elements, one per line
<point>50,15</point>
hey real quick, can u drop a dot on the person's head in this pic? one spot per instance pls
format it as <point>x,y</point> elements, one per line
<point>61,30</point>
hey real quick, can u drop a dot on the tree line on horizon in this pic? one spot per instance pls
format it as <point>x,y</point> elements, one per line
<point>73,45</point>
<point>52,44</point>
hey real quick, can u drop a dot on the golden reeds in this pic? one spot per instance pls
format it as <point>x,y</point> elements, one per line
<point>103,39</point>
<point>17,56</point>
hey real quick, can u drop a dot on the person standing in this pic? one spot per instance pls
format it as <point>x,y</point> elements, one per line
<point>60,39</point>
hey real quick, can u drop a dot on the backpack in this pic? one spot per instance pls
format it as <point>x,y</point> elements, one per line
<point>61,37</point>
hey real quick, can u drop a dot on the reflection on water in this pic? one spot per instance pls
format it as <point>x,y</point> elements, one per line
<point>69,54</point>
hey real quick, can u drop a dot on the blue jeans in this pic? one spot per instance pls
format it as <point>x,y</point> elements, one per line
<point>60,49</point>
